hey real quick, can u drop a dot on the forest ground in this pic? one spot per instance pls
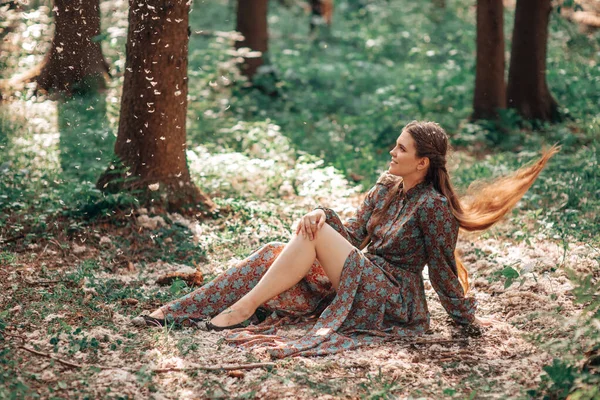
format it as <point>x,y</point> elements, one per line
<point>76,265</point>
<point>73,300</point>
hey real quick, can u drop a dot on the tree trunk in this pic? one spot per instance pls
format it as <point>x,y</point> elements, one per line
<point>527,90</point>
<point>252,24</point>
<point>151,141</point>
<point>75,62</point>
<point>321,13</point>
<point>490,87</point>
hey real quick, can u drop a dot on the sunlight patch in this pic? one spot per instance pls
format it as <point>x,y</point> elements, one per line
<point>236,174</point>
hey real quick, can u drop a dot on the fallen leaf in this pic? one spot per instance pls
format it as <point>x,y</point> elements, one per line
<point>236,373</point>
<point>195,278</point>
<point>129,301</point>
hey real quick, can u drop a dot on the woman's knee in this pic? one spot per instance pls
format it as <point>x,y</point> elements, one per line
<point>271,250</point>
<point>330,239</point>
<point>273,245</point>
<point>269,247</point>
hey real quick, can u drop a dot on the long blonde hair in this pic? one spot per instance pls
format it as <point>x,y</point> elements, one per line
<point>485,203</point>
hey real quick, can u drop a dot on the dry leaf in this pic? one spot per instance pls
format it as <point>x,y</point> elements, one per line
<point>129,302</point>
<point>236,373</point>
<point>192,279</point>
<point>130,266</point>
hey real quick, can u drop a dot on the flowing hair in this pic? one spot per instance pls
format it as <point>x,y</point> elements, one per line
<point>485,203</point>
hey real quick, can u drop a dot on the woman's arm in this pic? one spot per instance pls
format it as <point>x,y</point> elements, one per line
<point>440,230</point>
<point>355,228</point>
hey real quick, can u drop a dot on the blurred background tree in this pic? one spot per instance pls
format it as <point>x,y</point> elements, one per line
<point>75,62</point>
<point>321,14</point>
<point>527,90</point>
<point>252,24</point>
<point>490,85</point>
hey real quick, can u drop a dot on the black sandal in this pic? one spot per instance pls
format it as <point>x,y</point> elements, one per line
<point>146,320</point>
<point>203,324</point>
<point>207,326</point>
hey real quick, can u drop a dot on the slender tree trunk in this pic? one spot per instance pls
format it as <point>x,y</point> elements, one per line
<point>321,13</point>
<point>252,24</point>
<point>490,87</point>
<point>527,90</point>
<point>75,62</point>
<point>151,141</point>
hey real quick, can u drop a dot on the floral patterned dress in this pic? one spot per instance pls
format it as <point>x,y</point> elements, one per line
<point>380,295</point>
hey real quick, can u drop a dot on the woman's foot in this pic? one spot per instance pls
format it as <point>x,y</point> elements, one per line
<point>157,318</point>
<point>158,314</point>
<point>231,317</point>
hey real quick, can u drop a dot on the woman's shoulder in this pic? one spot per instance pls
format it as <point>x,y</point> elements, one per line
<point>382,187</point>
<point>433,196</point>
<point>388,180</point>
<point>433,202</point>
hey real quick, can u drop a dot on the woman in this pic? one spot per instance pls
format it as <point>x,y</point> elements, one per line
<point>410,218</point>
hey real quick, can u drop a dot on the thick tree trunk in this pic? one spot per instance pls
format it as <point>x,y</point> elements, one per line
<point>252,24</point>
<point>75,62</point>
<point>151,141</point>
<point>490,87</point>
<point>321,13</point>
<point>527,90</point>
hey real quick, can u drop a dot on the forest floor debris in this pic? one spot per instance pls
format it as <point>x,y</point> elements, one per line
<point>76,345</point>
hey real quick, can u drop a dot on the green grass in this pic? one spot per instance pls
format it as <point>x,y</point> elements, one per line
<point>343,97</point>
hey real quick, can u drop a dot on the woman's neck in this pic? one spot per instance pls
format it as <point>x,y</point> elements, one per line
<point>410,182</point>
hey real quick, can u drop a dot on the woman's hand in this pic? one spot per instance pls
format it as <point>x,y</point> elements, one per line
<point>476,327</point>
<point>484,322</point>
<point>311,223</point>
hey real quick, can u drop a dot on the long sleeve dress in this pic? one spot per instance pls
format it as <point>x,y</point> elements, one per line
<point>381,293</point>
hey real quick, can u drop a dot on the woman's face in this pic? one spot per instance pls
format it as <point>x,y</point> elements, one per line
<point>404,157</point>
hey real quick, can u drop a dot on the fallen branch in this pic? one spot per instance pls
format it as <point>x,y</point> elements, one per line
<point>39,353</point>
<point>12,335</point>
<point>434,341</point>
<point>12,239</point>
<point>60,247</point>
<point>216,368</point>
<point>438,341</point>
<point>47,282</point>
<point>159,370</point>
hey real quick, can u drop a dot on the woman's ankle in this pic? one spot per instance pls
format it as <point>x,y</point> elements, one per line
<point>233,315</point>
<point>158,314</point>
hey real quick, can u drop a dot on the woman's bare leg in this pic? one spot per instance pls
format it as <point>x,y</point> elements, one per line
<point>294,262</point>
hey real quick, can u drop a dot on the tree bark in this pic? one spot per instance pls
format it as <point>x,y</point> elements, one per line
<point>75,62</point>
<point>490,87</point>
<point>321,13</point>
<point>252,24</point>
<point>151,140</point>
<point>527,90</point>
